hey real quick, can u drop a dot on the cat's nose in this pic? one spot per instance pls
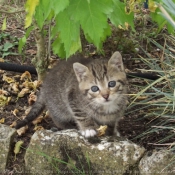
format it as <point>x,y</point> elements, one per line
<point>106,96</point>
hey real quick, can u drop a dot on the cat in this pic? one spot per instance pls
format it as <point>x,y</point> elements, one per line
<point>83,93</point>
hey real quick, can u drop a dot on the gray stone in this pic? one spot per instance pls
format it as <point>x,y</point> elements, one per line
<point>158,162</point>
<point>6,137</point>
<point>66,152</point>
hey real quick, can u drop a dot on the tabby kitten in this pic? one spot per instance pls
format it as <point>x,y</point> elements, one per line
<point>85,93</point>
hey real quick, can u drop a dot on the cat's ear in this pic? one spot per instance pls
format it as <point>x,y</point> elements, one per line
<point>80,70</point>
<point>116,61</point>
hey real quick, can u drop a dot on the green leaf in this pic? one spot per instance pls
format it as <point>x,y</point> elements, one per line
<point>58,48</point>
<point>30,9</point>
<point>92,17</point>
<point>22,41</point>
<point>43,10</point>
<point>69,32</point>
<point>119,16</point>
<point>158,17</point>
<point>39,17</point>
<point>7,46</point>
<point>59,6</point>
<point>4,25</point>
<point>169,6</point>
<point>8,53</point>
<point>46,7</point>
<point>21,44</point>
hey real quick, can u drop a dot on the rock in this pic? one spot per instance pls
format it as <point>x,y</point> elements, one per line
<point>158,162</point>
<point>6,138</point>
<point>67,152</point>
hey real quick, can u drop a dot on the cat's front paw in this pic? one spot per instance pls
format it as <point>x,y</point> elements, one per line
<point>88,133</point>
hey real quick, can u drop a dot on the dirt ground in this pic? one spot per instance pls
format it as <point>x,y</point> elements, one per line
<point>130,126</point>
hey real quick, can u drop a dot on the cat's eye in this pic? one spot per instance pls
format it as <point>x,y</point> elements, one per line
<point>94,88</point>
<point>112,84</point>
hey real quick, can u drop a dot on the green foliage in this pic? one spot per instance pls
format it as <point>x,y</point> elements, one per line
<point>70,17</point>
<point>92,17</point>
<point>7,44</point>
<point>4,25</point>
<point>165,14</point>
<point>158,104</point>
<point>23,40</point>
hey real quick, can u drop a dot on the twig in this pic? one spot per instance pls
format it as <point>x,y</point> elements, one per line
<point>163,144</point>
<point>162,127</point>
<point>19,11</point>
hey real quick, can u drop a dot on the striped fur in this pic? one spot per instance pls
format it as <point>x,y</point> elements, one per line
<point>68,94</point>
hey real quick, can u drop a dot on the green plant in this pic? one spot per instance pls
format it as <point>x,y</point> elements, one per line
<point>158,104</point>
<point>164,14</point>
<point>69,165</point>
<point>69,17</point>
<point>7,43</point>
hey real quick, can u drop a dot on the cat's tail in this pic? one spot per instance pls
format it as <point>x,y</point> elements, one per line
<point>35,111</point>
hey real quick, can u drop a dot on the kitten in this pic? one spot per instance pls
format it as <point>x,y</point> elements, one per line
<point>85,93</point>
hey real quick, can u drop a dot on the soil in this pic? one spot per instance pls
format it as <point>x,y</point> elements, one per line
<point>131,126</point>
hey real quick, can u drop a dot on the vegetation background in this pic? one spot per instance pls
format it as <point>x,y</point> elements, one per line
<point>36,32</point>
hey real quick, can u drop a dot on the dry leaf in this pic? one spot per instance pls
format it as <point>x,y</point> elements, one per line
<point>17,147</point>
<point>22,130</point>
<point>26,75</point>
<point>13,124</point>
<point>28,84</point>
<point>8,99</point>
<point>31,85</point>
<point>27,111</point>
<point>38,128</point>
<point>52,62</point>
<point>16,76</point>
<point>32,98</point>
<point>2,120</point>
<point>3,92</point>
<point>8,79</point>
<point>142,97</point>
<point>2,71</point>
<point>23,92</point>
<point>4,100</point>
<point>15,111</point>
<point>46,114</point>
<point>102,130</point>
<point>23,117</point>
<point>1,60</point>
<point>126,25</point>
<point>15,86</point>
<point>37,83</point>
<point>37,120</point>
<point>31,51</point>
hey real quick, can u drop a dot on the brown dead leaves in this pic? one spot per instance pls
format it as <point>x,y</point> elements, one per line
<point>101,130</point>
<point>20,85</point>
<point>4,99</point>
<point>15,87</point>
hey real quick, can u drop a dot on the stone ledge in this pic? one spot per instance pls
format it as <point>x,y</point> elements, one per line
<point>68,152</point>
<point>48,151</point>
<point>6,138</point>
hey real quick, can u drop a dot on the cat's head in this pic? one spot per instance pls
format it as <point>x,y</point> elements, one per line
<point>102,81</point>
